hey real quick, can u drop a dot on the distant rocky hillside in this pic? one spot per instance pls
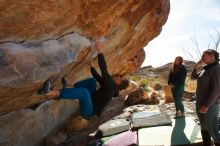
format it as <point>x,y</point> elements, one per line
<point>150,76</point>
<point>149,71</point>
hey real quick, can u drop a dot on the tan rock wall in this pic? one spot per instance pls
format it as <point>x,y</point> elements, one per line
<point>49,39</point>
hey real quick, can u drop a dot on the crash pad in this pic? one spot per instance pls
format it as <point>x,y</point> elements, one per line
<point>114,126</point>
<point>141,119</point>
<point>123,139</point>
<point>183,131</point>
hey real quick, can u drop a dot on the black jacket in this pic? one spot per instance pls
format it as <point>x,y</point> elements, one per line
<point>208,84</point>
<point>178,78</point>
<point>107,89</point>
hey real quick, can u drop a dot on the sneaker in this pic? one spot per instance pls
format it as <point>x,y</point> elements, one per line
<point>182,114</point>
<point>45,89</point>
<point>64,82</point>
<point>179,115</point>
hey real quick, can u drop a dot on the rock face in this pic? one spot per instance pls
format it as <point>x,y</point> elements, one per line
<point>50,39</point>
<point>27,127</point>
<point>138,96</point>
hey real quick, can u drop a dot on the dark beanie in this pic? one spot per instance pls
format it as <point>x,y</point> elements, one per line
<point>214,52</point>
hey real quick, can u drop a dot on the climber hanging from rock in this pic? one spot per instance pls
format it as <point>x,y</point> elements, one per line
<point>92,101</point>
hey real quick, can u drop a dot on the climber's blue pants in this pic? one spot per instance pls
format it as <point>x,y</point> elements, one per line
<point>83,91</point>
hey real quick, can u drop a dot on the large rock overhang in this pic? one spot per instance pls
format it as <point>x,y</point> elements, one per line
<point>51,39</point>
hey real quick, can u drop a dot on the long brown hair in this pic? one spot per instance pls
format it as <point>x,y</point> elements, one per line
<point>177,65</point>
<point>124,82</point>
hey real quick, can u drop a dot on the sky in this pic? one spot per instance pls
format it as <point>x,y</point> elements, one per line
<point>188,20</point>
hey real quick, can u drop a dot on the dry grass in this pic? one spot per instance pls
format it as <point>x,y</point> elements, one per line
<point>190,85</point>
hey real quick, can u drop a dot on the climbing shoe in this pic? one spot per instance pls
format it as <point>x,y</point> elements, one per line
<point>64,82</point>
<point>45,89</point>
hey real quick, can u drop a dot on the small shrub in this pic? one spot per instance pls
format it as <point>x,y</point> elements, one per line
<point>135,78</point>
<point>143,83</point>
